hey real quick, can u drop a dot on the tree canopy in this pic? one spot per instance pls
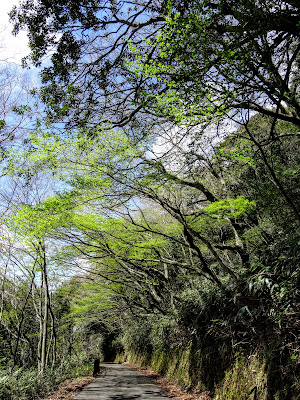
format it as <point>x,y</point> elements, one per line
<point>154,209</point>
<point>113,61</point>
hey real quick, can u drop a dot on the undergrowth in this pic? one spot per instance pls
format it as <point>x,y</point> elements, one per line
<point>29,384</point>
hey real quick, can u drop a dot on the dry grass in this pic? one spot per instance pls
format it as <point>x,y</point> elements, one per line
<point>69,388</point>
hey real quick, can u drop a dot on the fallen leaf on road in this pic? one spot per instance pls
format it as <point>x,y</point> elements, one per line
<point>69,388</point>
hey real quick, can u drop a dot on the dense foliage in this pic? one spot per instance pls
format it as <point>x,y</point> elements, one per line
<point>155,209</point>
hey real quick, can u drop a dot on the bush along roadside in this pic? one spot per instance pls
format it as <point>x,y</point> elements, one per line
<point>233,349</point>
<point>30,384</point>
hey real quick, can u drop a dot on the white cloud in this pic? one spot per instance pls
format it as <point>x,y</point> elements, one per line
<point>12,48</point>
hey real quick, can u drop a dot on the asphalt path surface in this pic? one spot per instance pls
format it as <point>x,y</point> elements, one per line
<point>118,382</point>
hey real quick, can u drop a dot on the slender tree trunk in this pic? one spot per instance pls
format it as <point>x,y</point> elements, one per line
<point>52,342</point>
<point>3,288</point>
<point>45,352</point>
<point>45,306</point>
<point>39,313</point>
<point>21,322</point>
<point>44,333</point>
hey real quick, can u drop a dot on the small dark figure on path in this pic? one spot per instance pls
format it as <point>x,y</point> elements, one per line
<point>96,366</point>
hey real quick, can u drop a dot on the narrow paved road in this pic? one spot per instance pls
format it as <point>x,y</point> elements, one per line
<point>118,382</point>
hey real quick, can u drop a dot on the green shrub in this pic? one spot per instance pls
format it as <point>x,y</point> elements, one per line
<point>30,384</point>
<point>137,336</point>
